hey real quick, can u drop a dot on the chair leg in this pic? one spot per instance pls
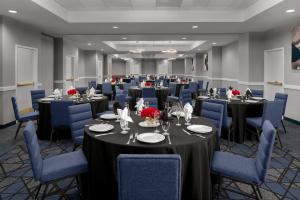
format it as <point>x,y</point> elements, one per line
<point>258,191</point>
<point>219,186</point>
<point>279,139</point>
<point>18,129</point>
<point>258,134</point>
<point>283,126</point>
<point>45,191</point>
<point>255,192</point>
<point>37,192</point>
<point>229,134</point>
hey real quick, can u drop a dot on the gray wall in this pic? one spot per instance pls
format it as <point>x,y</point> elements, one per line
<point>149,66</point>
<point>58,63</point>
<point>230,60</point>
<point>178,66</point>
<point>118,67</point>
<point>162,66</point>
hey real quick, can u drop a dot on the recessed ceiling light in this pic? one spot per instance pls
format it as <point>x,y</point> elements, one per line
<point>290,11</point>
<point>124,38</point>
<point>214,43</point>
<point>101,49</point>
<point>195,26</point>
<point>199,49</point>
<point>115,27</point>
<point>89,44</point>
<point>183,38</point>
<point>169,51</point>
<point>13,11</point>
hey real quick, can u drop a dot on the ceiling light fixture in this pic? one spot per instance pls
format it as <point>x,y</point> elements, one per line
<point>195,26</point>
<point>290,11</point>
<point>13,11</point>
<point>137,50</point>
<point>101,49</point>
<point>199,49</point>
<point>183,38</point>
<point>89,44</point>
<point>115,27</point>
<point>214,43</point>
<point>169,51</point>
<point>124,38</point>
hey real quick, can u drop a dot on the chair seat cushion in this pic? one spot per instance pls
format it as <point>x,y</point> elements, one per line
<point>64,165</point>
<point>254,121</point>
<point>235,166</point>
<point>29,116</point>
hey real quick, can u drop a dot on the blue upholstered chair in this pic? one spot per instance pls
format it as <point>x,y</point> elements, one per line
<point>107,89</point>
<point>273,111</point>
<point>149,95</point>
<point>193,87</point>
<point>149,177</point>
<point>121,99</point>
<point>81,90</point>
<point>172,97</point>
<point>92,84</point>
<point>125,91</point>
<point>36,95</point>
<point>185,96</point>
<point>59,115</point>
<point>222,92</point>
<point>166,82</point>
<point>53,168</point>
<point>79,116</point>
<point>22,118</point>
<point>227,121</point>
<point>203,91</point>
<point>200,84</point>
<point>142,78</point>
<point>257,93</point>
<point>247,170</point>
<point>283,97</point>
<point>213,112</point>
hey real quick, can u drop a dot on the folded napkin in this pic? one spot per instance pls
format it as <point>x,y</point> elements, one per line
<point>92,91</point>
<point>106,80</point>
<point>161,84</point>
<point>143,84</point>
<point>188,109</point>
<point>215,91</point>
<point>140,104</point>
<point>57,92</point>
<point>229,94</point>
<point>124,115</point>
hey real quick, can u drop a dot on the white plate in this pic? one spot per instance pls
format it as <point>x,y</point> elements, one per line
<point>52,96</point>
<point>148,125</point>
<point>175,113</point>
<point>251,101</point>
<point>257,98</point>
<point>199,128</point>
<point>203,97</point>
<point>98,95</point>
<point>101,128</point>
<point>108,116</point>
<point>47,99</point>
<point>150,137</point>
<point>96,98</point>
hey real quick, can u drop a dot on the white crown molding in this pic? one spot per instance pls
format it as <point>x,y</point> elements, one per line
<point>8,88</point>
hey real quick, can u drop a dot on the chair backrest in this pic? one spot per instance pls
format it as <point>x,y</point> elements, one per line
<point>126,87</point>
<point>213,112</point>
<point>225,107</point>
<point>200,84</point>
<point>106,88</point>
<point>193,86</point>
<point>264,150</point>
<point>79,116</point>
<point>173,87</point>
<point>283,97</point>
<point>206,87</point>
<point>92,84</point>
<point>121,99</point>
<point>33,148</point>
<point>81,90</point>
<point>166,82</point>
<point>185,96</point>
<point>257,93</point>
<point>148,93</point>
<point>15,107</point>
<point>59,113</point>
<point>35,96</point>
<point>222,91</point>
<point>149,176</point>
<point>142,78</point>
<point>273,111</point>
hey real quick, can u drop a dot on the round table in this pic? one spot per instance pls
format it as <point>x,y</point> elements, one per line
<point>196,154</point>
<point>161,93</point>
<point>239,111</point>
<point>44,122</point>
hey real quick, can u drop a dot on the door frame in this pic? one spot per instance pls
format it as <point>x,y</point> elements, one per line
<point>265,65</point>
<point>35,63</point>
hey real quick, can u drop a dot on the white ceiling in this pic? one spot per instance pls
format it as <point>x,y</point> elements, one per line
<point>79,5</point>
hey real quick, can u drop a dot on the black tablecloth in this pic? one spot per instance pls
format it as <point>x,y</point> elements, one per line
<point>44,122</point>
<point>239,111</point>
<point>196,154</point>
<point>161,94</point>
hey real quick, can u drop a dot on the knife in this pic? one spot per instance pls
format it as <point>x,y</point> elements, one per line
<point>98,135</point>
<point>193,134</point>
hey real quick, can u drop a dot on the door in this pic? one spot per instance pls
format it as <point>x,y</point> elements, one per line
<point>99,71</point>
<point>69,72</point>
<point>26,59</point>
<point>273,72</point>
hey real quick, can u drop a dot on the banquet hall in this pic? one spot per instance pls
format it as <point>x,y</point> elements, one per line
<point>150,99</point>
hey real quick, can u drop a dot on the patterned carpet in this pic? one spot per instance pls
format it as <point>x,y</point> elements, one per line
<point>16,182</point>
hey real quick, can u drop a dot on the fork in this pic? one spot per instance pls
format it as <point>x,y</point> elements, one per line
<point>130,138</point>
<point>193,134</point>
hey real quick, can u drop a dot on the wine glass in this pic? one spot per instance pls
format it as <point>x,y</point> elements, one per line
<point>178,113</point>
<point>123,126</point>
<point>156,117</point>
<point>165,125</point>
<point>187,118</point>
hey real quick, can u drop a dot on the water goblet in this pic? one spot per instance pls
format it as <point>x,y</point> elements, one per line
<point>188,118</point>
<point>156,117</point>
<point>123,126</point>
<point>165,125</point>
<point>178,113</point>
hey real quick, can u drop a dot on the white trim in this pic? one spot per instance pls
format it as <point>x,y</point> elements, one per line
<point>86,77</point>
<point>59,81</point>
<point>251,83</point>
<point>291,87</point>
<point>8,88</point>
<point>231,80</point>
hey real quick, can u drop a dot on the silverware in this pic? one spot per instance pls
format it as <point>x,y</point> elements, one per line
<point>130,138</point>
<point>98,135</point>
<point>193,134</point>
<point>135,136</point>
<point>169,139</point>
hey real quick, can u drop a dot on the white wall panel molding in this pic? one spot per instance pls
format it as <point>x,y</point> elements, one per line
<point>291,87</point>
<point>8,88</point>
<point>59,81</point>
<point>251,83</point>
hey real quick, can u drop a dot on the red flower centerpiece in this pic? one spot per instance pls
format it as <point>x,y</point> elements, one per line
<point>150,114</point>
<point>148,84</point>
<point>72,92</point>
<point>236,92</point>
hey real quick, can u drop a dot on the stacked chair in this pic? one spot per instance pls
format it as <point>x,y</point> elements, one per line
<point>36,95</point>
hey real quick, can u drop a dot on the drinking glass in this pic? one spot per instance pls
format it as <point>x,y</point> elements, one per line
<point>178,112</point>
<point>146,104</point>
<point>156,117</point>
<point>123,126</point>
<point>165,125</point>
<point>187,118</point>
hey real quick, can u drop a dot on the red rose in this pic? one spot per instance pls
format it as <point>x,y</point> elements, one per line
<point>149,112</point>
<point>236,92</point>
<point>148,84</point>
<point>71,92</point>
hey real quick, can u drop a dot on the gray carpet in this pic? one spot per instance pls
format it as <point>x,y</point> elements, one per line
<point>283,180</point>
